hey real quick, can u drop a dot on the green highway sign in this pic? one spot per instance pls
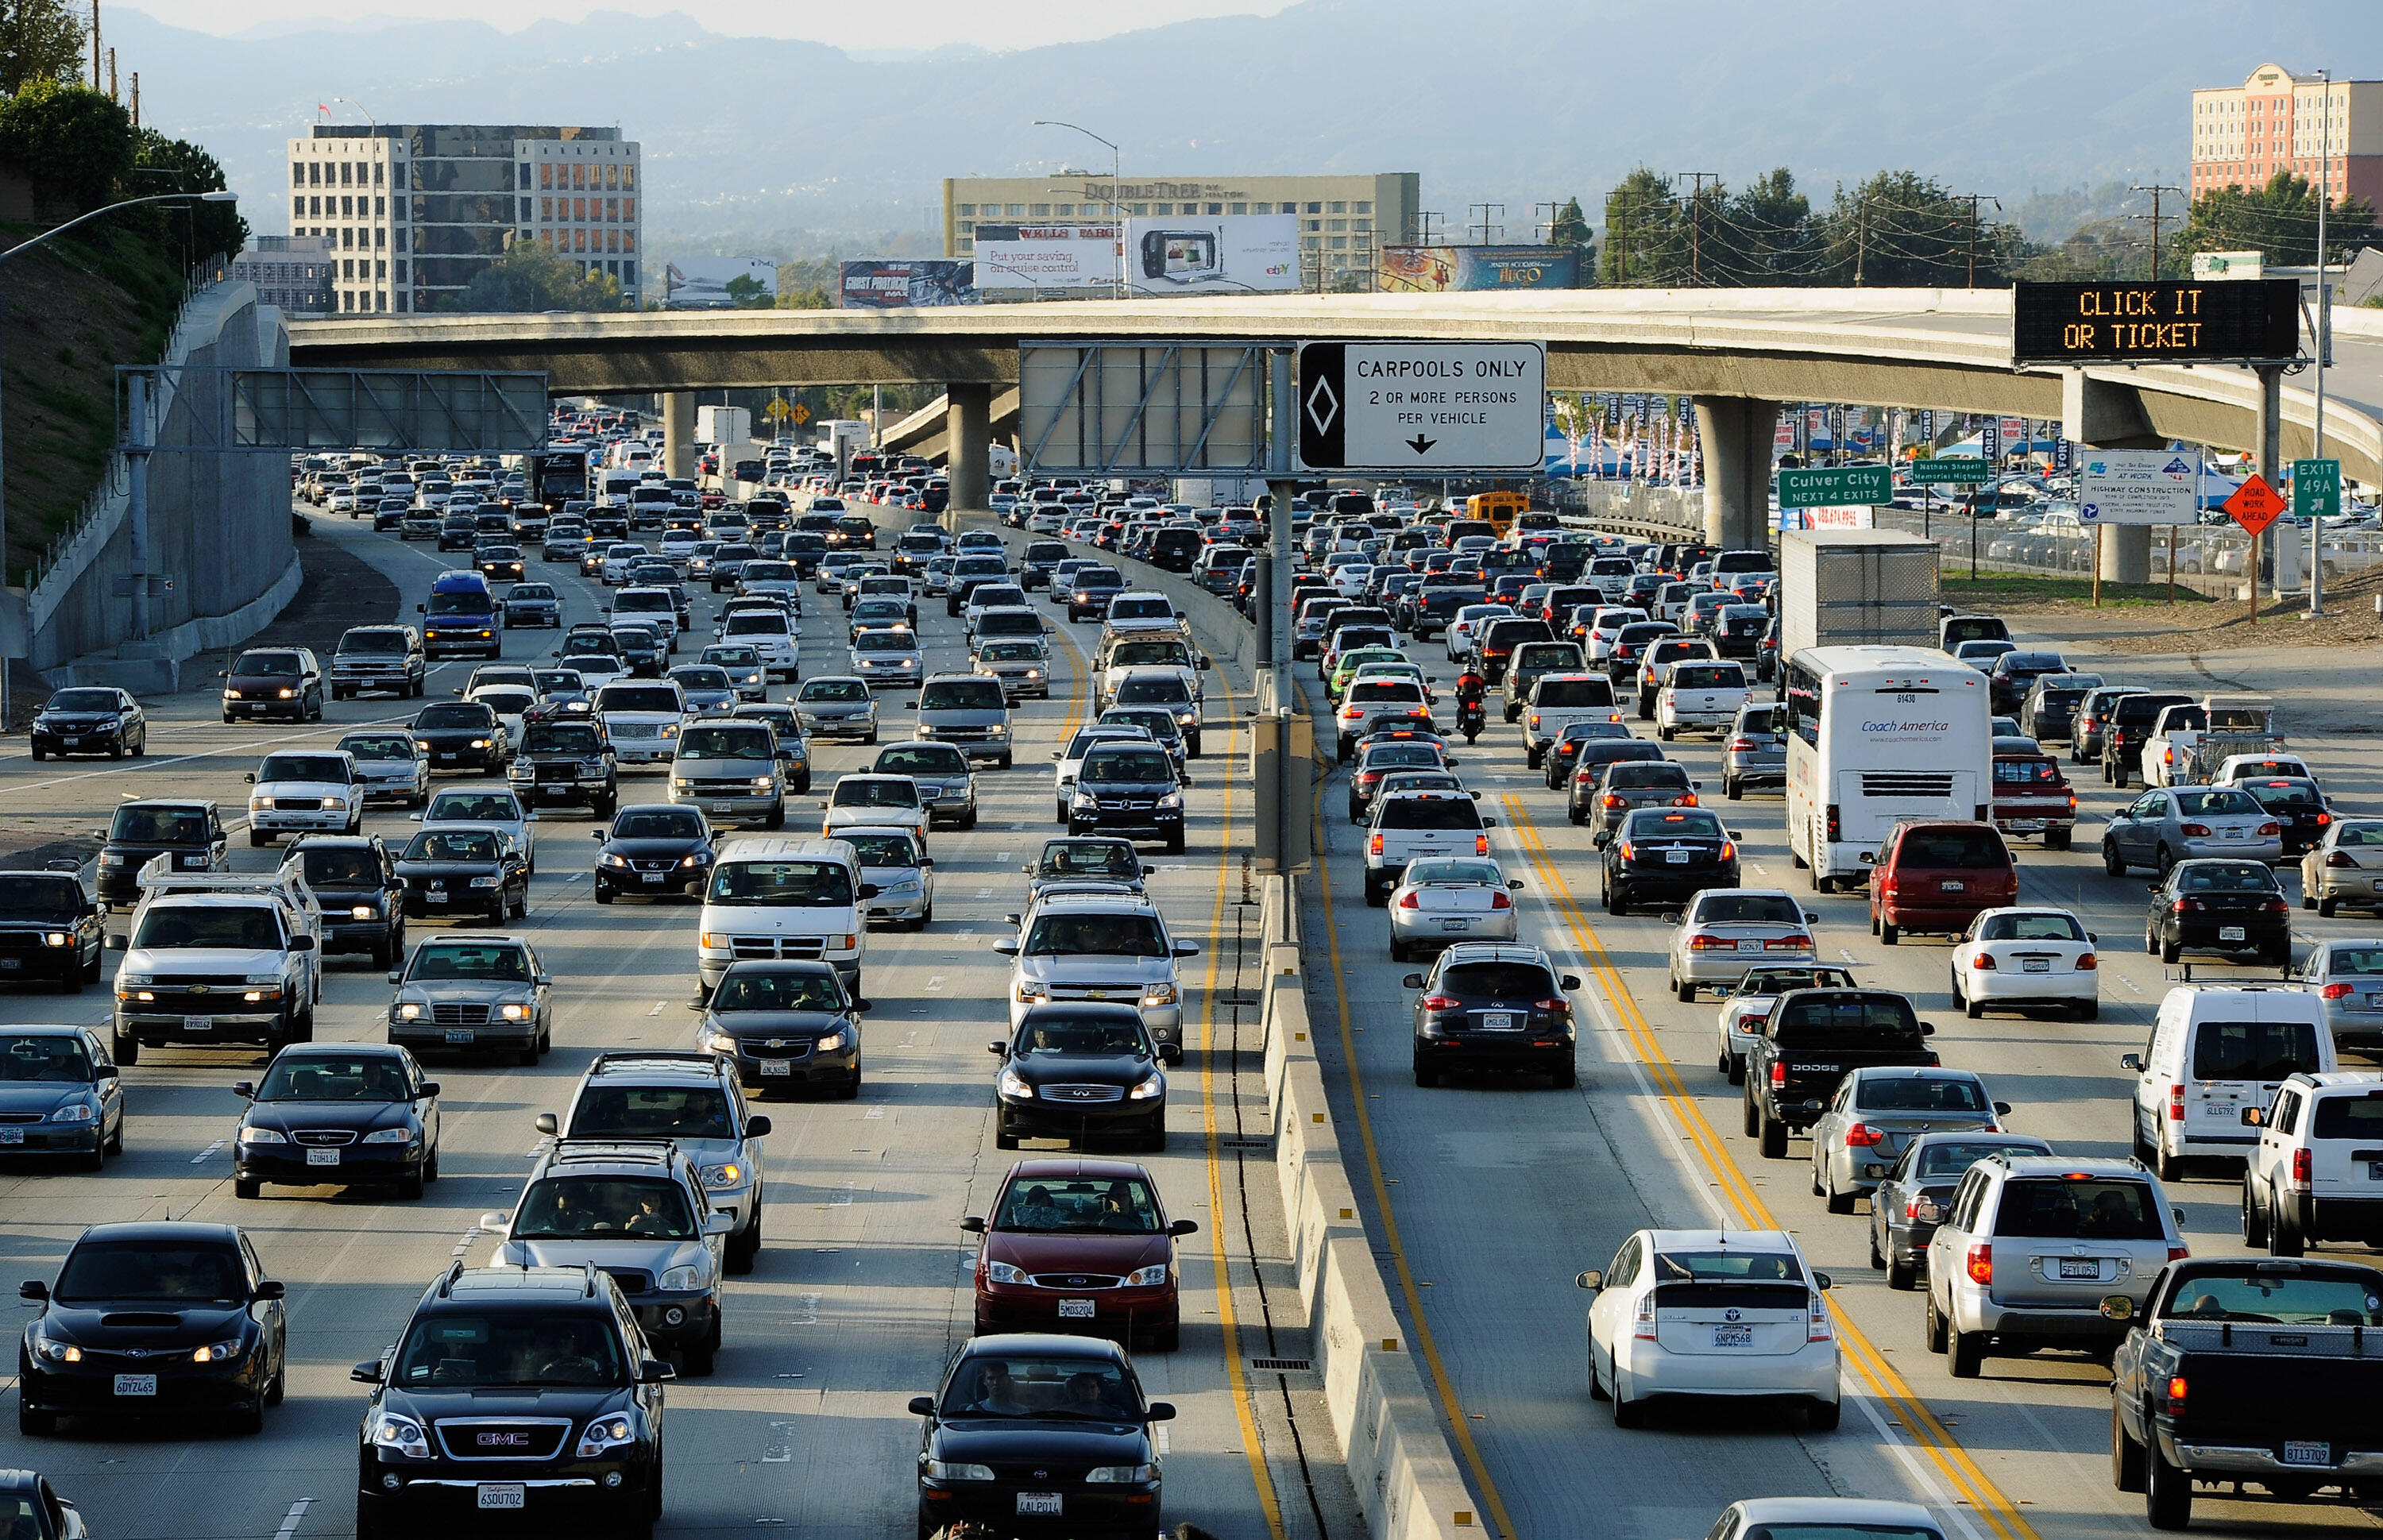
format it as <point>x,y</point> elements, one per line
<point>1964,468</point>
<point>1854,486</point>
<point>2316,489</point>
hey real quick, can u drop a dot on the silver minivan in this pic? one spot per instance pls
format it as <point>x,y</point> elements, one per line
<point>967,711</point>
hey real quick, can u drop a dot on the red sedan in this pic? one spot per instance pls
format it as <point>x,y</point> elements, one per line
<point>1079,1246</point>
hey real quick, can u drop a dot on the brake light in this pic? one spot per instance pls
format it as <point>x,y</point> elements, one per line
<point>1836,823</point>
<point>1741,746</point>
<point>2333,992</point>
<point>1500,901</point>
<point>1643,1325</point>
<point>2193,830</point>
<point>2302,1167</point>
<point>2181,905</point>
<point>1535,719</point>
<point>1921,1206</point>
<point>2324,819</point>
<point>1984,961</point>
<point>1779,1073</point>
<point>2087,964</point>
<point>1688,801</point>
<point>1442,1002</point>
<point>1629,853</point>
<point>1610,800</point>
<point>1817,1327</point>
<point>1728,851</point>
<point>2176,1104</point>
<point>1788,943</point>
<point>2335,858</point>
<point>1407,901</point>
<point>1481,844</point>
<point>2176,1393</point>
<point>1982,1263</point>
<point>2179,1252</point>
<point>1374,847</point>
<point>2275,906</point>
<point>1555,1005</point>
<point>1863,1135</point>
<point>2271,828</point>
<point>1707,944</point>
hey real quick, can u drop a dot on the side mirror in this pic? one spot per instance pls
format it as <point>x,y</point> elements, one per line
<point>32,1289</point>
<point>1489,823</point>
<point>1513,884</point>
<point>654,1371</point>
<point>1593,1278</point>
<point>2117,1307</point>
<point>2131,1061</point>
<point>862,1007</point>
<point>270,1289</point>
<point>546,1123</point>
<point>1170,1053</point>
<point>2002,1109</point>
<point>2255,1117</point>
<point>249,778</point>
<point>1411,981</point>
<point>922,1406</point>
<point>1570,980</point>
<point>1187,949</point>
<point>718,1224</point>
<point>244,1090</point>
<point>600,835</point>
<point>2092,937</point>
<point>301,943</point>
<point>1927,1029</point>
<point>758,1125</point>
<point>972,1225</point>
<point>1600,839</point>
<point>116,941</point>
<point>1184,1227</point>
<point>870,891</point>
<point>1823,1281</point>
<point>367,1373</point>
<point>1056,754</point>
<point>998,1050</point>
<point>1006,948</point>
<point>494,1222</point>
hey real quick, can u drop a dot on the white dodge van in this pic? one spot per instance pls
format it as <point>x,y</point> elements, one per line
<point>779,896</point>
<point>2215,1050</point>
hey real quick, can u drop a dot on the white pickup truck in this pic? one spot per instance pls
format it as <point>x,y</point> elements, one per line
<point>1699,695</point>
<point>2187,742</point>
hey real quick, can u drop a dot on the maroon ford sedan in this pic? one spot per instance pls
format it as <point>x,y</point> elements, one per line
<point>1079,1246</point>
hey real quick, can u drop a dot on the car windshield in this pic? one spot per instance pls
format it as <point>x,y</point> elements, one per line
<point>1779,981</point>
<point>732,658</point>
<point>1012,652</point>
<point>961,695</point>
<point>1457,873</point>
<point>268,665</point>
<point>2078,1208</point>
<point>83,700</point>
<point>2035,927</point>
<point>473,808</point>
<point>1041,1390</point>
<point>1836,1532</point>
<point>801,884</point>
<point>701,676</point>
<point>251,926</point>
<point>562,738</point>
<point>1104,1204</point>
<point>748,988</point>
<point>464,714</point>
<point>885,641</point>
<point>727,743</point>
<point>2225,876</point>
<point>469,960</point>
<point>651,1112</point>
<point>1115,767</point>
<point>334,1077</point>
<point>1113,935</point>
<point>52,1057</point>
<point>2272,794</point>
<point>638,697</point>
<point>605,1207</point>
<point>1736,1266</point>
<point>1089,859</point>
<point>378,745</point>
<point>1952,1157</point>
<point>1654,774</point>
<point>1497,981</point>
<point>1156,654</point>
<point>834,690</point>
<point>451,845</point>
<point>152,1272</point>
<point>1921,1093</point>
<point>1749,908</point>
<point>1113,1033</point>
<point>1161,690</point>
<point>2026,773</point>
<point>40,893</point>
<point>1385,756</point>
<point>924,759</point>
<point>451,1350</point>
<point>2220,801</point>
<point>158,826</point>
<point>339,865</point>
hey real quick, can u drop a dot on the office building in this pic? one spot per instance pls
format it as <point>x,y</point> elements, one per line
<point>413,211</point>
<point>290,271</point>
<point>2277,121</point>
<point>1343,221</point>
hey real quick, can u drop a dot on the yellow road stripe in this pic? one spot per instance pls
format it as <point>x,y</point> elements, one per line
<point>1971,1484</point>
<point>1454,1410</point>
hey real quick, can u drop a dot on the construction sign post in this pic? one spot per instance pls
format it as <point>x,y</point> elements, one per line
<point>2254,506</point>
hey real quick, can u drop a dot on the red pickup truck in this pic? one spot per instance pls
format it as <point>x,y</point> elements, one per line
<point>2031,796</point>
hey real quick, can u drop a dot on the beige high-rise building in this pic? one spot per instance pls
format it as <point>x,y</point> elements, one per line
<point>2278,121</point>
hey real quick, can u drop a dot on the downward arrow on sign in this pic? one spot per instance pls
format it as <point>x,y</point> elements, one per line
<point>1419,443</point>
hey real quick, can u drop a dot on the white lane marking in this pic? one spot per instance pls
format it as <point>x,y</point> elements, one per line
<point>1018,828</point>
<point>1846,956</point>
<point>290,1523</point>
<point>985,893</point>
<point>1003,855</point>
<point>780,1448</point>
<point>204,1154</point>
<point>843,1199</point>
<point>808,1305</point>
<point>935,984</point>
<point>909,1040</point>
<point>1761,870</point>
<point>1164,1443</point>
<point>657,1010</point>
<point>465,1244</point>
<point>873,1114</point>
<point>574,877</point>
<point>2129,982</point>
<point>247,746</point>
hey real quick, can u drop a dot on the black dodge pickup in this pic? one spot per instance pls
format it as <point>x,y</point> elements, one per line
<point>2248,1370</point>
<point>1813,1039</point>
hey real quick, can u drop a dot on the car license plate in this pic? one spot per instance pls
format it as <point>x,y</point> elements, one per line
<point>722,806</point>
<point>1044,1504</point>
<point>2374,1171</point>
<point>69,742</point>
<point>1075,1309</point>
<point>1749,947</point>
<point>1497,1021</point>
<point>2035,964</point>
<point>1455,924</point>
<point>1954,887</point>
<point>136,1384</point>
<point>437,898</point>
<point>12,1135</point>
<point>1733,1336</point>
<point>776,1066</point>
<point>2023,826</point>
<point>11,963</point>
<point>2300,1451</point>
<point>322,1157</point>
<point>461,1037</point>
<point>1675,857</point>
<point>505,1495</point>
<point>198,1024</point>
<point>446,758</point>
<point>2081,1267</point>
<point>2230,933</point>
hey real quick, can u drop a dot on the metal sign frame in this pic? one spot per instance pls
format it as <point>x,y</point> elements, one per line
<point>458,410</point>
<point>1144,408</point>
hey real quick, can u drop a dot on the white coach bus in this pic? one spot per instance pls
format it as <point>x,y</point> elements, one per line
<point>1877,733</point>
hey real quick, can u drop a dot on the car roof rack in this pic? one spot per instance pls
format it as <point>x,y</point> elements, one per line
<point>660,1058</point>
<point>609,1148</point>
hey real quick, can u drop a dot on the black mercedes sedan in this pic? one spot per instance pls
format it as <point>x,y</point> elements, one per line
<point>1660,857</point>
<point>1034,1434</point>
<point>1080,1071</point>
<point>461,735</point>
<point>153,1319</point>
<point>342,1114</point>
<point>460,871</point>
<point>2219,906</point>
<point>786,1025</point>
<point>654,850</point>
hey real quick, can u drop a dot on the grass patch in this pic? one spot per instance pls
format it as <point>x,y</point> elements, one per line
<point>1992,590</point>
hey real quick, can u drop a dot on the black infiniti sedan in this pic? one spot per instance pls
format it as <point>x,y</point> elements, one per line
<point>2219,906</point>
<point>461,735</point>
<point>656,850</point>
<point>1493,1005</point>
<point>1081,1070</point>
<point>1041,1434</point>
<point>340,1115</point>
<point>785,1025</point>
<point>460,871</point>
<point>153,1319</point>
<point>1660,857</point>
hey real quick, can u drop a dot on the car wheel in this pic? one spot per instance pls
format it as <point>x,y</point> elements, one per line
<point>1627,1413</point>
<point>2168,1492</point>
<point>2126,1456</point>
<point>1774,1135</point>
<point>1965,1353</point>
<point>124,1050</point>
<point>247,1187</point>
<point>1823,1416</point>
<point>1732,788</point>
<point>2254,1224</point>
<point>1733,1067</point>
<point>2170,951</point>
<point>1933,1330</point>
<point>1973,1008</point>
<point>1425,1074</point>
<point>2113,864</point>
<point>2284,1239</point>
<point>1686,991</point>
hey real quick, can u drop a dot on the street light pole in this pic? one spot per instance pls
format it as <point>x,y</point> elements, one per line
<point>2324,339</point>
<point>1116,210</point>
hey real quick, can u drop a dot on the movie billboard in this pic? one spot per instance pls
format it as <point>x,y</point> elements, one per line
<point>1218,255</point>
<point>886,285</point>
<point>1047,257</point>
<point>701,283</point>
<point>1479,269</point>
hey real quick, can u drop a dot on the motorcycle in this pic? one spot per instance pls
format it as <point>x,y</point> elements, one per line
<point>1471,717</point>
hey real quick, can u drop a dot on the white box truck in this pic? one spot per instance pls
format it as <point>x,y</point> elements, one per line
<point>1856,587</point>
<point>731,428</point>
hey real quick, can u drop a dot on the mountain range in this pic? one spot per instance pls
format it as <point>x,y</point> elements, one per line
<point>764,145</point>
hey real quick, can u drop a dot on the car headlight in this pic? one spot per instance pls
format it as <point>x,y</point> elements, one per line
<point>829,1043</point>
<point>232,695</point>
<point>259,804</point>
<point>73,1112</point>
<point>1031,992</point>
<point>1086,799</point>
<point>479,742</point>
<point>730,1174</point>
<point>1159,994</point>
<point>696,861</point>
<point>1147,1277</point>
<point>1156,1085</point>
<point>680,784</point>
<point>285,694</point>
<point>251,1134</point>
<point>388,1136</point>
<point>111,858</point>
<point>764,783</point>
<point>1172,799</point>
<point>485,881</point>
<point>54,1351</point>
<point>135,980</point>
<point>605,1432</point>
<point>720,1043</point>
<point>409,1013</point>
<point>689,1276</point>
<point>513,1013</point>
<point>615,861</point>
<point>1003,1272</point>
<point>1013,1085</point>
<point>55,937</point>
<point>1123,1474</point>
<point>671,731</point>
<point>262,978</point>
<point>942,1469</point>
<point>332,804</point>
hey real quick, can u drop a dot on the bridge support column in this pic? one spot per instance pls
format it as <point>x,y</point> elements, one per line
<point>1734,433</point>
<point>678,433</point>
<point>968,435</point>
<point>2104,414</point>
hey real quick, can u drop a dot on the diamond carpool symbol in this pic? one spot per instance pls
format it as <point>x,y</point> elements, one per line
<point>1323,405</point>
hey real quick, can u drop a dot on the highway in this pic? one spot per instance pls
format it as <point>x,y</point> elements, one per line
<point>862,1289</point>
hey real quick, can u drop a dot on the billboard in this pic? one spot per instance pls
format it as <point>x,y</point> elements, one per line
<point>1047,257</point>
<point>2137,487</point>
<point>1478,269</point>
<point>701,283</point>
<point>1218,255</point>
<point>883,285</point>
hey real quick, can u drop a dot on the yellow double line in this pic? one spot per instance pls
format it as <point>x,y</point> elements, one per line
<point>1968,1482</point>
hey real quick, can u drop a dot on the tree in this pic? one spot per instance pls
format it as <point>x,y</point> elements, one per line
<point>213,227</point>
<point>1765,235</point>
<point>2278,220</point>
<point>40,40</point>
<point>75,143</point>
<point>744,291</point>
<point>1902,229</point>
<point>811,297</point>
<point>533,278</point>
<point>1571,228</point>
<point>1646,241</point>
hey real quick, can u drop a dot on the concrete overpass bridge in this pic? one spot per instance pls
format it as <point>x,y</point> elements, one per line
<point>1738,352</point>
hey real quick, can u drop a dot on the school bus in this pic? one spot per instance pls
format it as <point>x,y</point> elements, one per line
<point>1499,508</point>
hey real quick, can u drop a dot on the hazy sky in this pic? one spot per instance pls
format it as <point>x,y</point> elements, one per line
<point>912,24</point>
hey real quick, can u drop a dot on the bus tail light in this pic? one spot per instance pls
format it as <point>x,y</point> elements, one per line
<point>1836,821</point>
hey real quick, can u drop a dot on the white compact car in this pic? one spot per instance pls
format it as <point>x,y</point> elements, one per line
<point>2026,959</point>
<point>1710,1314</point>
<point>317,791</point>
<point>875,801</point>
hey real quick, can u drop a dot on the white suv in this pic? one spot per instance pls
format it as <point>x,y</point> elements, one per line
<point>2312,1174</point>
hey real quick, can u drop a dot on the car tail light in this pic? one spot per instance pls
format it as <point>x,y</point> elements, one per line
<point>2271,828</point>
<point>2335,858</point>
<point>1629,852</point>
<point>1407,901</point>
<point>1817,1327</point>
<point>2193,830</point>
<point>1554,1005</point>
<point>1480,844</point>
<point>2176,1394</point>
<point>2303,1167</point>
<point>2176,1104</point>
<point>1609,800</point>
<point>2087,963</point>
<point>1442,1002</point>
<point>2335,992</point>
<point>1500,901</point>
<point>1863,1135</point>
<point>1779,1073</point>
<point>1741,746</point>
<point>1728,851</point>
<point>1836,823</point>
<point>1374,846</point>
<point>1981,1263</point>
<point>1643,1324</point>
<point>1708,943</point>
<point>1689,800</point>
<point>1984,961</point>
<point>2181,905</point>
<point>2179,1252</point>
<point>2324,819</point>
<point>2275,906</point>
<point>1798,943</point>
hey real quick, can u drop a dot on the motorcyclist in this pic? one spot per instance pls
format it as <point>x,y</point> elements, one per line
<point>1471,688</point>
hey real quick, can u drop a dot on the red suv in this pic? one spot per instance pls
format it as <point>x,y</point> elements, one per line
<point>1937,875</point>
<point>1079,1246</point>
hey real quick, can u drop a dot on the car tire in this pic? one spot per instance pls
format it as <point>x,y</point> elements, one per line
<point>2284,1238</point>
<point>1627,1413</point>
<point>1888,932</point>
<point>247,1187</point>
<point>745,1248</point>
<point>1973,1009</point>
<point>2168,1492</point>
<point>1687,993</point>
<point>2170,951</point>
<point>2126,1456</point>
<point>1732,788</point>
<point>1900,1274</point>
<point>1839,1203</point>
<point>2254,1224</point>
<point>1425,1076</point>
<point>258,838</point>
<point>1004,1141</point>
<point>1965,1353</point>
<point>1733,1067</point>
<point>124,1050</point>
<point>1823,1416</point>
<point>1566,1077</point>
<point>1933,1326</point>
<point>2088,1010</point>
<point>1774,1135</point>
<point>603,894</point>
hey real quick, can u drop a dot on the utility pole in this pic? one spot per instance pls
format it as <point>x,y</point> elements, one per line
<point>1975,199</point>
<point>1861,238</point>
<point>1543,230</point>
<point>1486,223</point>
<point>2324,337</point>
<point>1696,221</point>
<point>2154,217</point>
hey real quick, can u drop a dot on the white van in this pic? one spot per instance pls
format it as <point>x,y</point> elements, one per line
<point>2215,1050</point>
<point>774,896</point>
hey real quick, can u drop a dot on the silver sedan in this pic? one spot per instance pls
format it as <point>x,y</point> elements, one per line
<point>2180,824</point>
<point>887,658</point>
<point>2348,976</point>
<point>2346,866</point>
<point>1459,899</point>
<point>1724,932</point>
<point>1877,1111</point>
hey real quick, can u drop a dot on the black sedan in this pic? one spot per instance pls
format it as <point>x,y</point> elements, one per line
<point>59,1095</point>
<point>2294,802</point>
<point>1048,1434</point>
<point>1660,857</point>
<point>498,563</point>
<point>785,1025</point>
<point>656,850</point>
<point>1492,1005</point>
<point>342,1114</point>
<point>156,1319</point>
<point>1917,1193</point>
<point>1078,1071</point>
<point>2015,673</point>
<point>461,735</point>
<point>462,871</point>
<point>90,719</point>
<point>1561,758</point>
<point>2219,906</point>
